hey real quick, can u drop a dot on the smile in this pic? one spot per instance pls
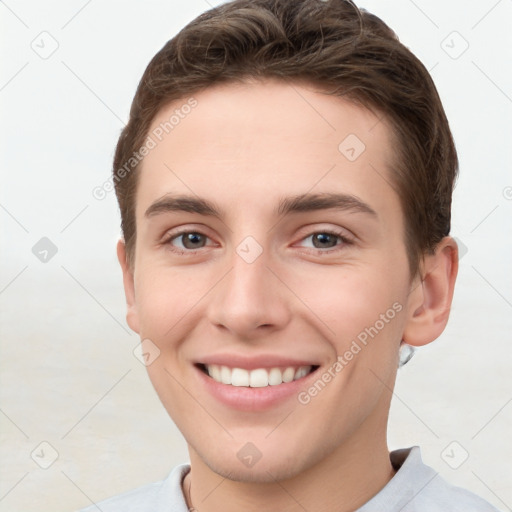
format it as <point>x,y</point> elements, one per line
<point>258,377</point>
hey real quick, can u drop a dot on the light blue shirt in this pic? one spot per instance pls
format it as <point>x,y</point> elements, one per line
<point>415,487</point>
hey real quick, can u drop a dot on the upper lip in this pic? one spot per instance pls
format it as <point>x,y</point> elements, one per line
<point>254,362</point>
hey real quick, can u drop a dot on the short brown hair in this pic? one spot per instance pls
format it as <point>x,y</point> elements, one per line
<point>349,52</point>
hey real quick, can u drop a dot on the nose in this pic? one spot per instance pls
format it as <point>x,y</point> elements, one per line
<point>250,301</point>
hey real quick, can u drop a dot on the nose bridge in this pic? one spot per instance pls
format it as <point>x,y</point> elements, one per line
<point>249,296</point>
<point>250,275</point>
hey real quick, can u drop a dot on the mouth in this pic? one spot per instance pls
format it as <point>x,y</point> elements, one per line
<point>257,377</point>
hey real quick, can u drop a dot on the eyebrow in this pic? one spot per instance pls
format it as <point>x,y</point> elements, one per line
<point>293,204</point>
<point>323,201</point>
<point>183,203</point>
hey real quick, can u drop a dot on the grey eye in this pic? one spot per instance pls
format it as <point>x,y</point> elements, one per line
<point>192,240</point>
<point>324,240</point>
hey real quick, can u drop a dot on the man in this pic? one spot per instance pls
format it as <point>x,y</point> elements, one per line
<point>285,186</point>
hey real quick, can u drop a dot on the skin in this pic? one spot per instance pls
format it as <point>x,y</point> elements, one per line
<point>244,147</point>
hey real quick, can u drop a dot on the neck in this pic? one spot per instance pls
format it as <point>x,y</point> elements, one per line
<point>343,481</point>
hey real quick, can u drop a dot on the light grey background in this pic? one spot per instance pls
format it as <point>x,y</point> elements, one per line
<point>68,374</point>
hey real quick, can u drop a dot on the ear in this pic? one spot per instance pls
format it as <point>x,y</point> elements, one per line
<point>132,316</point>
<point>431,294</point>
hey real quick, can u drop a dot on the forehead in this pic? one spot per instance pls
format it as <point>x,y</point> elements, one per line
<point>260,138</point>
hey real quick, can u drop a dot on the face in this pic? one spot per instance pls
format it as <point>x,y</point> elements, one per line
<point>270,254</point>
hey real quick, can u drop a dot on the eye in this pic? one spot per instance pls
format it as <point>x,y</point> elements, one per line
<point>326,240</point>
<point>186,241</point>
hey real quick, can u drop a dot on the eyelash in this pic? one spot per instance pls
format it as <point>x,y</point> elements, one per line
<point>345,241</point>
<point>190,252</point>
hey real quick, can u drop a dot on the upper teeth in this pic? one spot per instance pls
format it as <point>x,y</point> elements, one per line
<point>258,378</point>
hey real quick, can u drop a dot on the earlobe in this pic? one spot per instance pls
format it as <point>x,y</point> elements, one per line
<point>431,295</point>
<point>129,287</point>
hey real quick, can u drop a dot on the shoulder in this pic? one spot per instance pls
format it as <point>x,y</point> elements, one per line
<point>444,496</point>
<point>417,487</point>
<point>154,497</point>
<point>434,494</point>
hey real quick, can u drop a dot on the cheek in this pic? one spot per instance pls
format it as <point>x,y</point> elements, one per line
<point>165,297</point>
<point>357,306</point>
<point>365,318</point>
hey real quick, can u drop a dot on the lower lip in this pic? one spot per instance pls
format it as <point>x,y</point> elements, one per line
<point>253,399</point>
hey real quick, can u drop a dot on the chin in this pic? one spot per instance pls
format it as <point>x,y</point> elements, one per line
<point>274,463</point>
<point>263,473</point>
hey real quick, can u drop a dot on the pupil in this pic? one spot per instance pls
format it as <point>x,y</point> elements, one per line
<point>192,238</point>
<point>323,238</point>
